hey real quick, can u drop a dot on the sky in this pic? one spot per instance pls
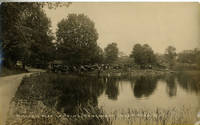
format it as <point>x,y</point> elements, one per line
<point>156,24</point>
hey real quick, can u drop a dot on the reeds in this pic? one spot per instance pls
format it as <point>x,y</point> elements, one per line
<point>170,116</point>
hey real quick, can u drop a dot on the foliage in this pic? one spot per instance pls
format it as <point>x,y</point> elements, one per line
<point>11,27</point>
<point>77,40</point>
<point>41,49</point>
<point>26,34</point>
<point>189,56</point>
<point>188,60</point>
<point>143,55</point>
<point>170,55</point>
<point>111,53</point>
<point>98,55</point>
<point>54,5</point>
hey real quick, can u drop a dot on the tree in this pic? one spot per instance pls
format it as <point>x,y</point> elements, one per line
<point>111,53</point>
<point>187,56</point>
<point>19,23</point>
<point>41,47</point>
<point>12,36</point>
<point>98,55</point>
<point>143,55</point>
<point>197,56</point>
<point>77,39</point>
<point>170,54</point>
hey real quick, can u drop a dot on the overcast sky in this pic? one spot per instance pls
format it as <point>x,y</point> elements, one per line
<point>157,24</point>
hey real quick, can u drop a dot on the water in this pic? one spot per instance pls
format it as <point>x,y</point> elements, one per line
<point>150,94</point>
<point>175,98</point>
<point>119,94</point>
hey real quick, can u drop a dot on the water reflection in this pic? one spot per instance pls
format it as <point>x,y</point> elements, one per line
<point>83,90</point>
<point>112,88</point>
<point>76,95</point>
<point>144,86</point>
<point>171,85</point>
<point>76,91</point>
<point>189,81</point>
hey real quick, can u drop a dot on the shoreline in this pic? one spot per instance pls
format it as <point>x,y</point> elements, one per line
<point>132,73</point>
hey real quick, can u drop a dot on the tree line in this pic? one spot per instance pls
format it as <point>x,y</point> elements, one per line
<point>27,37</point>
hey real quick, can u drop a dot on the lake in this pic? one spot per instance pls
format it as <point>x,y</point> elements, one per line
<point>151,93</point>
<point>148,92</point>
<point>175,96</point>
<point>167,99</point>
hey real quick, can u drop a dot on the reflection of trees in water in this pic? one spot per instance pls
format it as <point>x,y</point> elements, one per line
<point>189,81</point>
<point>78,95</point>
<point>73,95</point>
<point>77,91</point>
<point>171,85</point>
<point>144,86</point>
<point>112,88</point>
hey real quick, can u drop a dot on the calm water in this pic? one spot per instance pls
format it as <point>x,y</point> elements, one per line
<point>174,97</point>
<point>150,93</point>
<point>122,93</point>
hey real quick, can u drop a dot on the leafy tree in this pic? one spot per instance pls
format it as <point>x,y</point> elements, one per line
<point>143,55</point>
<point>111,53</point>
<point>21,23</point>
<point>187,56</point>
<point>98,55</point>
<point>170,55</point>
<point>42,49</point>
<point>77,40</point>
<point>13,38</point>
<point>197,56</point>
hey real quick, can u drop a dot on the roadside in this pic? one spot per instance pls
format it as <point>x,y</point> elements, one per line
<point>8,88</point>
<point>9,84</point>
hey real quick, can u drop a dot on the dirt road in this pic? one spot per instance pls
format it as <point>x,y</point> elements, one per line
<point>8,88</point>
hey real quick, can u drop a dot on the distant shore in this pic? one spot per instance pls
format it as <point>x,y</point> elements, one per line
<point>132,72</point>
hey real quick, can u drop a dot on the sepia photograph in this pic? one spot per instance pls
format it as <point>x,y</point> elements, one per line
<point>99,63</point>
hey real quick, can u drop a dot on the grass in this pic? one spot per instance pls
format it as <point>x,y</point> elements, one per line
<point>170,116</point>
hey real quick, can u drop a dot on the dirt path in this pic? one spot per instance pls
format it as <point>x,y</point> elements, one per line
<point>8,88</point>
